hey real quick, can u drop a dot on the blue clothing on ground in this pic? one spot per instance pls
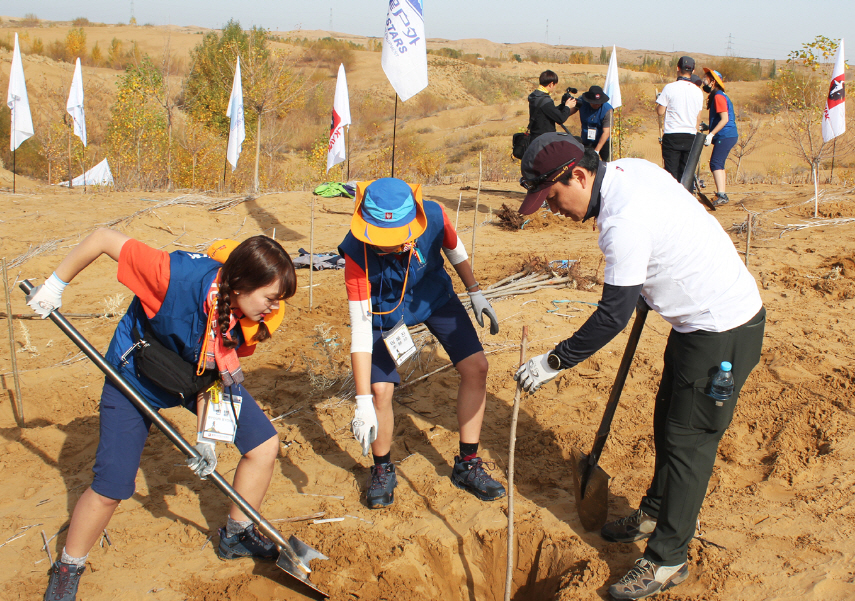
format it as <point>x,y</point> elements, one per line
<point>451,326</point>
<point>124,430</point>
<point>729,130</point>
<point>428,285</point>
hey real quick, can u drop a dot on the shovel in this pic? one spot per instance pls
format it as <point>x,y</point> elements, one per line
<point>690,178</point>
<point>294,554</point>
<point>590,481</point>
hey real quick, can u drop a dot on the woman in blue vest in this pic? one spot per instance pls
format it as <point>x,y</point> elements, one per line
<point>723,134</point>
<point>396,278</point>
<point>210,313</point>
<point>595,117</point>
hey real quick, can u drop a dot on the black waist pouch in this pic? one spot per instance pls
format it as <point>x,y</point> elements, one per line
<point>168,370</point>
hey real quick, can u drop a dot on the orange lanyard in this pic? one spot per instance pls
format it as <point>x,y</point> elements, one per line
<point>368,283</point>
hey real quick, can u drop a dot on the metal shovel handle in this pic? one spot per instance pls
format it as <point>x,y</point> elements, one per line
<point>641,311</point>
<point>134,397</point>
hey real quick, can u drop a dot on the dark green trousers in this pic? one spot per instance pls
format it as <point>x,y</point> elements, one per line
<point>687,427</point>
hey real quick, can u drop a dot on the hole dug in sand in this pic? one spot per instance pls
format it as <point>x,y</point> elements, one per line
<point>448,567</point>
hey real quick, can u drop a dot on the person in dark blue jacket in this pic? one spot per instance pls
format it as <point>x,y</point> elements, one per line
<point>595,116</point>
<point>396,279</point>
<point>210,313</point>
<point>723,134</point>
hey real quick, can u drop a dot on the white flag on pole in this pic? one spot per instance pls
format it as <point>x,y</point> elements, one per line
<point>237,127</point>
<point>18,103</point>
<point>834,117</point>
<point>337,151</point>
<point>612,86</point>
<point>404,58</point>
<point>74,106</point>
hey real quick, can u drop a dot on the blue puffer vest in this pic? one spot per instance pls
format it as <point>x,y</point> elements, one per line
<point>179,324</point>
<point>428,285</point>
<point>729,130</point>
<point>592,119</point>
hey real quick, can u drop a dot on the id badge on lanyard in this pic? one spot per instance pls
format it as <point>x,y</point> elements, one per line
<point>399,343</point>
<point>592,134</point>
<point>220,415</point>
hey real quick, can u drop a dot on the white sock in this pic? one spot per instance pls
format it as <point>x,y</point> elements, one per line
<point>235,527</point>
<point>77,561</point>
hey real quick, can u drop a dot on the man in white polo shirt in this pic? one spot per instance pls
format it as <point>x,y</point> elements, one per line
<point>681,102</point>
<point>660,243</point>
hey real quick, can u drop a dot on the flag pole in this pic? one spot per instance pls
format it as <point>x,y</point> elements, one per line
<point>312,254</point>
<point>14,168</point>
<point>347,145</point>
<point>394,132</point>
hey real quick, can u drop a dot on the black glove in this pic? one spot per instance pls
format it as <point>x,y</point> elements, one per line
<point>567,96</point>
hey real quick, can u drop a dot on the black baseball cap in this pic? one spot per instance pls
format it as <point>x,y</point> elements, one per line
<point>547,159</point>
<point>686,63</point>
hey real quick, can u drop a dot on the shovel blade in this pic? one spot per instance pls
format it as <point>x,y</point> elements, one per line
<point>299,569</point>
<point>592,503</point>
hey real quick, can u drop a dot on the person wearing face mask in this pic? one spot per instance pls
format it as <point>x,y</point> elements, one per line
<point>395,278</point>
<point>723,133</point>
<point>595,117</point>
<point>680,102</point>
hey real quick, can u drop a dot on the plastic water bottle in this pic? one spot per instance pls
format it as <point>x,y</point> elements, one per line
<point>721,387</point>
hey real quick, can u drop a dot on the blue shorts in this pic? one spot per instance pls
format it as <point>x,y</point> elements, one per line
<point>451,326</point>
<point>721,148</point>
<point>124,431</point>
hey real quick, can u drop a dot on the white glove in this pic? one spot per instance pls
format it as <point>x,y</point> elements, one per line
<point>364,423</point>
<point>708,140</point>
<point>481,305</point>
<point>47,298</point>
<point>205,464</point>
<point>535,373</point>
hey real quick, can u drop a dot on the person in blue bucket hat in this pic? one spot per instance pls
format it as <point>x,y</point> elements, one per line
<point>395,278</point>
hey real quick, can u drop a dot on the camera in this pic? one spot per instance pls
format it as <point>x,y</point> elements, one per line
<point>572,91</point>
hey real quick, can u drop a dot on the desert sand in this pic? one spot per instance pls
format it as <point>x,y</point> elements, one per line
<point>778,519</point>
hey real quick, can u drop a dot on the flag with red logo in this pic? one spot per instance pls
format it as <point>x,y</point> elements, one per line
<point>337,150</point>
<point>834,117</point>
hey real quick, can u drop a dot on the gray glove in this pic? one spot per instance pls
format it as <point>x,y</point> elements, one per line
<point>481,305</point>
<point>205,464</point>
<point>535,372</point>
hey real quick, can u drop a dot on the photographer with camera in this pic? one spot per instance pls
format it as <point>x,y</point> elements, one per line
<point>680,102</point>
<point>595,117</point>
<point>543,114</point>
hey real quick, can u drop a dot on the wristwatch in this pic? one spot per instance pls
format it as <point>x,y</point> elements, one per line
<point>553,361</point>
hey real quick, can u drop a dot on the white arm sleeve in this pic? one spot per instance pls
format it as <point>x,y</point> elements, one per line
<point>361,337</point>
<point>457,254</point>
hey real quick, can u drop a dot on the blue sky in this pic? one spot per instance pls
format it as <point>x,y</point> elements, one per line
<point>753,28</point>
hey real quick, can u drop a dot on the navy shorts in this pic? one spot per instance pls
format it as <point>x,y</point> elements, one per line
<point>721,148</point>
<point>124,431</point>
<point>450,324</point>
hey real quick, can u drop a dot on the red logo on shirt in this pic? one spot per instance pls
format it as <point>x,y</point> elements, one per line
<point>388,216</point>
<point>618,168</point>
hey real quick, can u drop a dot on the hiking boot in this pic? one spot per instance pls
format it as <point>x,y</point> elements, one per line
<point>64,578</point>
<point>646,579</point>
<point>471,477</point>
<point>633,527</point>
<point>720,199</point>
<point>381,486</point>
<point>249,543</point>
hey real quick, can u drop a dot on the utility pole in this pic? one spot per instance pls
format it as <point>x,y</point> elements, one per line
<point>547,31</point>
<point>730,44</point>
<point>330,19</point>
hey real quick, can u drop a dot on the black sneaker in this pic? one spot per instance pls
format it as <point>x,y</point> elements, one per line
<point>64,578</point>
<point>471,477</point>
<point>720,199</point>
<point>381,486</point>
<point>249,543</point>
<point>633,527</point>
<point>646,579</point>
